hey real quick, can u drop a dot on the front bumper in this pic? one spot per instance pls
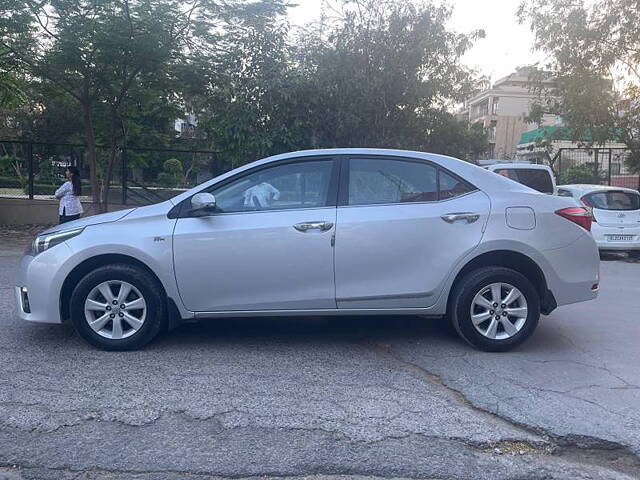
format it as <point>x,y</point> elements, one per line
<point>42,276</point>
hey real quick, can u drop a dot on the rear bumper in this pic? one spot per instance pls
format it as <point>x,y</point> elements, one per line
<point>602,234</point>
<point>573,273</point>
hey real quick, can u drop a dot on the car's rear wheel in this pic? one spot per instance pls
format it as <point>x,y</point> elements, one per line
<point>118,307</point>
<point>495,308</point>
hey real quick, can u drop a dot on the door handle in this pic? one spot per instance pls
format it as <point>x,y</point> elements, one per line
<point>466,216</point>
<point>306,226</point>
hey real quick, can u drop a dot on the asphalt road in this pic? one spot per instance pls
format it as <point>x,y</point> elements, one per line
<point>338,398</point>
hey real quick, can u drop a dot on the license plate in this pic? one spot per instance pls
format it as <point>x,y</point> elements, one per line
<point>619,238</point>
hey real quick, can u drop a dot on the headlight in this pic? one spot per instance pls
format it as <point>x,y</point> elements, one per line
<point>46,241</point>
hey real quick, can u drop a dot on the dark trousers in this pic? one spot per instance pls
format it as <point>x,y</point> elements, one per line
<point>67,218</point>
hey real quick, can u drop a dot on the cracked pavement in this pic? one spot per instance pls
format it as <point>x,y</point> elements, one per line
<point>329,398</point>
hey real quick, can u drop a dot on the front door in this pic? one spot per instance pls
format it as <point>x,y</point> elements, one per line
<point>399,234</point>
<point>268,245</point>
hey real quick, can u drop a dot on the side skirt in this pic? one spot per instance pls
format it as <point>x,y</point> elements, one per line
<point>317,313</point>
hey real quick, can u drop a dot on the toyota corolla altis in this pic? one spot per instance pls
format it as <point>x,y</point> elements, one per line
<point>320,232</point>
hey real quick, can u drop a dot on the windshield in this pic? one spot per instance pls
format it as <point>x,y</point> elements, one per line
<point>613,200</point>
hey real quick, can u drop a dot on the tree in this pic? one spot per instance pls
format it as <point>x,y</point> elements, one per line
<point>172,173</point>
<point>11,89</point>
<point>383,74</point>
<point>377,74</point>
<point>99,52</point>
<point>595,53</point>
<point>244,92</point>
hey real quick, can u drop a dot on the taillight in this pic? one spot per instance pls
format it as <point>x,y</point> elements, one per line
<point>578,215</point>
<point>589,206</point>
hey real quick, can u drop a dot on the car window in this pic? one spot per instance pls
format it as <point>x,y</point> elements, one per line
<point>613,200</point>
<point>564,193</point>
<point>293,185</point>
<point>509,173</point>
<point>537,179</point>
<point>451,186</point>
<point>374,181</point>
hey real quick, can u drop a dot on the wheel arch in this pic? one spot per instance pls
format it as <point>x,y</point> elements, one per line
<point>514,260</point>
<point>91,263</point>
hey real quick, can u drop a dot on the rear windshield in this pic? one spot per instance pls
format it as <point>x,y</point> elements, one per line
<point>537,179</point>
<point>613,200</point>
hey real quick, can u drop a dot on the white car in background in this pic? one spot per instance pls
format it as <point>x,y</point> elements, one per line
<point>538,177</point>
<point>616,215</point>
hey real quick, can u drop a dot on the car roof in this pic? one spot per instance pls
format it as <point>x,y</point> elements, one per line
<point>590,188</point>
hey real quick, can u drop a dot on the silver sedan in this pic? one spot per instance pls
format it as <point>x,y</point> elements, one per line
<point>320,232</point>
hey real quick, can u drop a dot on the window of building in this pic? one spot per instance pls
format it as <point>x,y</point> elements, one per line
<point>494,106</point>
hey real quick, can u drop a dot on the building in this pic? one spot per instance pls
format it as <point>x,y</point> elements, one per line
<point>502,109</point>
<point>186,127</point>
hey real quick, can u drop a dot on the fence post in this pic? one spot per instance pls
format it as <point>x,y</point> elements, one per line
<point>123,176</point>
<point>559,154</point>
<point>30,165</point>
<point>610,159</point>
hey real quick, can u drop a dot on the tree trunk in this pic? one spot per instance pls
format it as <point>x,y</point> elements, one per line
<point>107,179</point>
<point>90,140</point>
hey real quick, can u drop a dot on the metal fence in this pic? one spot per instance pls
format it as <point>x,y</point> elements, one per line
<point>603,166</point>
<point>139,176</point>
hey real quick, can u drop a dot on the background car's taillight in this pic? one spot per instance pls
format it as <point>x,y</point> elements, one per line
<point>578,215</point>
<point>589,206</point>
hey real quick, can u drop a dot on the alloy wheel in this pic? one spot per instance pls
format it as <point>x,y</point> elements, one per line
<point>499,311</point>
<point>115,309</point>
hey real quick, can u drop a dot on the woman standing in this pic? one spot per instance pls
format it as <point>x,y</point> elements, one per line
<point>69,196</point>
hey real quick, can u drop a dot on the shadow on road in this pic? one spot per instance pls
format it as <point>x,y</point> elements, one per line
<point>436,335</point>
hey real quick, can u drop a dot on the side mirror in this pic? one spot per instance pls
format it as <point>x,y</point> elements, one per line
<point>202,202</point>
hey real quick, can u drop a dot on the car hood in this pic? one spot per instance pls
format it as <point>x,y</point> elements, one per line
<point>91,220</point>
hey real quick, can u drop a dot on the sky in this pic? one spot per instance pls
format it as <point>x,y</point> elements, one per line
<point>507,44</point>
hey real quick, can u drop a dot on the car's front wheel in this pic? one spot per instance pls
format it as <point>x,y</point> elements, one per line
<point>495,308</point>
<point>118,307</point>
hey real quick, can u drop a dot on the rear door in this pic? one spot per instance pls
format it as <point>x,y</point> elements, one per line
<point>615,208</point>
<point>402,225</point>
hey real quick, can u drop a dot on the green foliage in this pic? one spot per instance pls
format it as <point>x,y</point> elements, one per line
<point>379,74</point>
<point>113,58</point>
<point>172,173</point>
<point>11,182</point>
<point>581,174</point>
<point>7,165</point>
<point>49,173</point>
<point>382,74</point>
<point>595,52</point>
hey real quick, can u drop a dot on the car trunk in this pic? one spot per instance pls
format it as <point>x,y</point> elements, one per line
<point>615,208</point>
<point>617,218</point>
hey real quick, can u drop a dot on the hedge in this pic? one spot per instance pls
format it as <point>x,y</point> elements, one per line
<point>12,182</point>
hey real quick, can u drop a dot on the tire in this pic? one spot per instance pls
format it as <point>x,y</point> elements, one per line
<point>487,337</point>
<point>131,328</point>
